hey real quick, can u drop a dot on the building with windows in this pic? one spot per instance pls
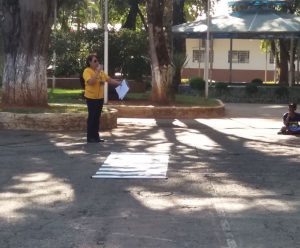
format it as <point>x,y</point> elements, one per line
<point>248,60</point>
<point>235,40</point>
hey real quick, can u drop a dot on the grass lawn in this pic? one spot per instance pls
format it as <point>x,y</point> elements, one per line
<point>53,108</point>
<point>179,99</point>
<point>75,96</point>
<point>65,96</point>
<point>65,100</point>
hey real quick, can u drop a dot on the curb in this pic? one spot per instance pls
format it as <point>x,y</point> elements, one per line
<point>77,121</point>
<point>167,112</point>
<point>55,121</point>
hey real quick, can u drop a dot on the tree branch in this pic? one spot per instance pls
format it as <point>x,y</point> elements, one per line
<point>143,19</point>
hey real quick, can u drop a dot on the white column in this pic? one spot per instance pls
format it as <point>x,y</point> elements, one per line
<point>199,62</point>
<point>106,49</point>
<point>230,61</point>
<point>266,65</point>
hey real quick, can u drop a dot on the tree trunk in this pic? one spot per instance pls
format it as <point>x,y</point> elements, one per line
<point>293,66</point>
<point>167,25</point>
<point>130,22</point>
<point>161,68</point>
<point>178,18</point>
<point>26,27</point>
<point>283,63</point>
<point>178,41</point>
<point>275,52</point>
<point>176,80</point>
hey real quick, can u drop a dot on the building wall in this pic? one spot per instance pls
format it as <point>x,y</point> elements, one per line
<point>241,72</point>
<point>222,75</point>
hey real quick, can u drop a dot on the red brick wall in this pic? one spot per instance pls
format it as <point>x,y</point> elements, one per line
<point>65,83</point>
<point>222,75</point>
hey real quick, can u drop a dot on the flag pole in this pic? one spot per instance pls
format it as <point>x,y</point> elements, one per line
<point>207,49</point>
<point>106,49</point>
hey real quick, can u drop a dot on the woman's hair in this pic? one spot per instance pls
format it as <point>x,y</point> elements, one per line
<point>90,58</point>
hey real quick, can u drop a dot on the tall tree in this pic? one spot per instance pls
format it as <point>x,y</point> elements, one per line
<point>181,10</point>
<point>130,22</point>
<point>26,27</point>
<point>179,18</point>
<point>283,64</point>
<point>159,49</point>
<point>79,12</point>
<point>285,49</point>
<point>178,43</point>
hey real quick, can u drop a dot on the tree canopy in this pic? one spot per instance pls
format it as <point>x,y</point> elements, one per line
<point>26,52</point>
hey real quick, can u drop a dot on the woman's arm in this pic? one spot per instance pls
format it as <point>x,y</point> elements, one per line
<point>286,119</point>
<point>114,82</point>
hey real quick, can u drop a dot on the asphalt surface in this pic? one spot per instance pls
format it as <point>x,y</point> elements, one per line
<point>232,183</point>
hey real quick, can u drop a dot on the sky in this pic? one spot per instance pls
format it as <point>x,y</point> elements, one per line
<point>221,7</point>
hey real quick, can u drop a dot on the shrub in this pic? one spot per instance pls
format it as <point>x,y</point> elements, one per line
<point>282,91</point>
<point>221,87</point>
<point>128,51</point>
<point>257,81</point>
<point>251,89</point>
<point>68,53</point>
<point>179,61</point>
<point>197,83</point>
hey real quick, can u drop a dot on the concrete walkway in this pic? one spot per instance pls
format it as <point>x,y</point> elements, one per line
<point>232,183</point>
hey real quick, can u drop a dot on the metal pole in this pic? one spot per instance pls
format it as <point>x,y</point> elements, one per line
<point>199,61</point>
<point>54,53</point>
<point>266,65</point>
<point>230,61</point>
<point>207,49</point>
<point>211,61</point>
<point>274,56</point>
<point>106,50</point>
<point>102,14</point>
<point>297,78</point>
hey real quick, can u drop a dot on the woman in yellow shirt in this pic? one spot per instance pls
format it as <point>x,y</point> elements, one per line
<point>95,78</point>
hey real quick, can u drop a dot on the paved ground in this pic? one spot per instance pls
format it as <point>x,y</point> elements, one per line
<point>233,183</point>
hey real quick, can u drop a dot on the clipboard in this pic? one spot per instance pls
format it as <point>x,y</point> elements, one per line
<point>122,89</point>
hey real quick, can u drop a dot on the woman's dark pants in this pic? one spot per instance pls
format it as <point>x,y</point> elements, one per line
<point>94,112</point>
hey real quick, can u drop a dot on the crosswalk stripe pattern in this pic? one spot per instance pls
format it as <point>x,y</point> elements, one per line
<point>134,165</point>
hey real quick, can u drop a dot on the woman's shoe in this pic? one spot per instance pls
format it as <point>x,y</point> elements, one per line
<point>93,140</point>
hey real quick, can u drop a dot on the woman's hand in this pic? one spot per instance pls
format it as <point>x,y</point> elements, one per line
<point>98,69</point>
<point>114,82</point>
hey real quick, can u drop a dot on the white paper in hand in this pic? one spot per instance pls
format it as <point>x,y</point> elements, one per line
<point>122,89</point>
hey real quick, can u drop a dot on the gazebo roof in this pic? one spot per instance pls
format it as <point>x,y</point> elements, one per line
<point>253,24</point>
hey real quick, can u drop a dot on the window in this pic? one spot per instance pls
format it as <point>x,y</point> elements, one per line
<point>241,57</point>
<point>199,56</point>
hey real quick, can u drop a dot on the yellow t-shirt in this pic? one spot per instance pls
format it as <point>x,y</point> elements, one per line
<point>95,91</point>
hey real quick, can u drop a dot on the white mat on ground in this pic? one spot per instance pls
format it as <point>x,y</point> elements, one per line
<point>134,165</point>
